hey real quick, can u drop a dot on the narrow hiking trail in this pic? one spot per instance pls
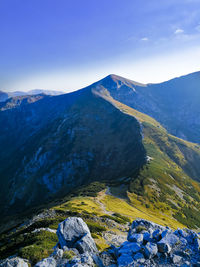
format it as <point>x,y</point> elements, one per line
<point>98,199</point>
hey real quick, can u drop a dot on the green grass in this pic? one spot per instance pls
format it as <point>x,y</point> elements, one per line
<point>174,165</point>
<point>95,227</point>
<point>68,254</point>
<point>32,246</point>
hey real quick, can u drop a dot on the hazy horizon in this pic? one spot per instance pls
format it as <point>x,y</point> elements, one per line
<point>68,91</point>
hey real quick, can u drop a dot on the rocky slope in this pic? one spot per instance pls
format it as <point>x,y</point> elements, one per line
<point>148,244</point>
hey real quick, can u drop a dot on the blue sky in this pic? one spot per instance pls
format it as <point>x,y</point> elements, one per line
<point>65,45</point>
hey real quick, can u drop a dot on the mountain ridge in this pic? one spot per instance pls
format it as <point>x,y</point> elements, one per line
<point>52,107</point>
<point>173,103</point>
<point>88,154</point>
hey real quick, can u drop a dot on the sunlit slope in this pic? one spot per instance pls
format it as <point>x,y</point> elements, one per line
<point>168,182</point>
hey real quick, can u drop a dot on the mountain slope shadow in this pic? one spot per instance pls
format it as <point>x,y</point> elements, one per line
<point>62,142</point>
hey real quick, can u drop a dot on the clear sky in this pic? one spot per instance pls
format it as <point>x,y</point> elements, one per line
<point>68,44</point>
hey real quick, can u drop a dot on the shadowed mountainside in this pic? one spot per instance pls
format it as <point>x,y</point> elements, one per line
<point>50,145</point>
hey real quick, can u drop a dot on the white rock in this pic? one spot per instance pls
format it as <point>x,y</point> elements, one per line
<point>13,262</point>
<point>170,239</point>
<point>150,250</point>
<point>135,238</point>
<point>74,233</point>
<point>48,262</point>
<point>71,230</point>
<point>176,259</point>
<point>57,254</point>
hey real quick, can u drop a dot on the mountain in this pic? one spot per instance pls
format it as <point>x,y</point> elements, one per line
<point>4,96</point>
<point>175,103</point>
<point>95,153</point>
<point>62,142</point>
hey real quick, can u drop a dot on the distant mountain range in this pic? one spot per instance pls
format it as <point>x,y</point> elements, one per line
<point>115,131</point>
<point>5,95</point>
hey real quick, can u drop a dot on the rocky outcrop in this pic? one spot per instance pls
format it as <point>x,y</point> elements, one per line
<point>13,262</point>
<point>74,233</point>
<point>75,239</point>
<point>148,244</point>
<point>48,262</point>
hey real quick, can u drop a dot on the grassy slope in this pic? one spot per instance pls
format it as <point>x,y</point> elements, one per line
<point>165,185</point>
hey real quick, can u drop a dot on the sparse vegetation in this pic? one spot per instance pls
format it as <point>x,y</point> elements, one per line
<point>140,228</point>
<point>68,254</point>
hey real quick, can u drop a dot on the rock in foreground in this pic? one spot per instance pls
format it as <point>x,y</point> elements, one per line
<point>74,233</point>
<point>148,244</point>
<point>13,262</point>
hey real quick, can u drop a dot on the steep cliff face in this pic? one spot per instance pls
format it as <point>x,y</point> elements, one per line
<point>51,145</point>
<point>175,103</point>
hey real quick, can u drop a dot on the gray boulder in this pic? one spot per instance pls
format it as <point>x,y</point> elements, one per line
<point>147,225</point>
<point>129,248</point>
<point>57,254</point>
<point>170,239</point>
<point>150,250</point>
<point>85,260</point>
<point>176,259</point>
<point>48,262</point>
<point>86,244</point>
<point>125,260</point>
<point>74,233</point>
<point>136,238</point>
<point>71,230</point>
<point>13,262</point>
<point>147,236</point>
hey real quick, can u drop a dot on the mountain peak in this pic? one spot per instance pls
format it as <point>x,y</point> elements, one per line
<point>117,79</point>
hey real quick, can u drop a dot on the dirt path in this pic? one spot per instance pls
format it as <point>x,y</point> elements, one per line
<point>98,199</point>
